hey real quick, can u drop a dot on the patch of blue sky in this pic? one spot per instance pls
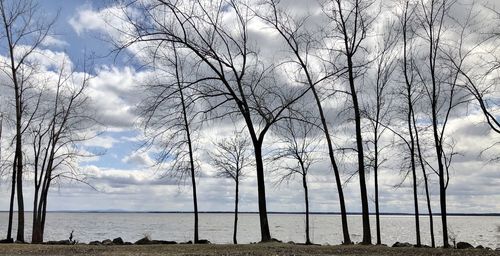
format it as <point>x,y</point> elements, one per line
<point>124,144</point>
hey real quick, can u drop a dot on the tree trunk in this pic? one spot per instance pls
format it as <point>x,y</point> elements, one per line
<point>439,153</point>
<point>377,211</point>
<point>306,199</point>
<point>37,234</point>
<point>367,239</point>
<point>261,189</point>
<point>429,209</point>
<point>34,231</point>
<point>343,212</point>
<point>236,195</point>
<point>426,183</point>
<point>417,214</point>
<point>193,174</point>
<point>20,198</point>
<point>11,203</point>
<point>413,170</point>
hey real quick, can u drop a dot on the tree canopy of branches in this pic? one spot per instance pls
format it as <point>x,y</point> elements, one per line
<point>61,123</point>
<point>23,31</point>
<point>232,158</point>
<point>230,76</point>
<point>300,142</point>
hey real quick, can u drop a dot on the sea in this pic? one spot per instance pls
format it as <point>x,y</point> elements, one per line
<point>218,227</point>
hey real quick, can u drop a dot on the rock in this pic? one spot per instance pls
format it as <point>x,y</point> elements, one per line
<point>7,241</point>
<point>95,243</point>
<point>188,242</point>
<point>143,241</point>
<point>479,247</point>
<point>118,241</point>
<point>162,242</point>
<point>464,245</point>
<point>398,244</point>
<point>290,242</point>
<point>203,241</point>
<point>107,242</point>
<point>61,242</point>
<point>497,249</point>
<point>127,243</point>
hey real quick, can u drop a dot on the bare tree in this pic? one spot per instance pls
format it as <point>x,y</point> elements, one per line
<point>59,126</point>
<point>377,110</point>
<point>169,119</point>
<point>350,23</point>
<point>232,158</point>
<point>301,42</point>
<point>441,90</point>
<point>230,75</point>
<point>23,30</point>
<point>300,141</point>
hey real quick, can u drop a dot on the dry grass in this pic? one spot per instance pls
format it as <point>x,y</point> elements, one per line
<point>248,249</point>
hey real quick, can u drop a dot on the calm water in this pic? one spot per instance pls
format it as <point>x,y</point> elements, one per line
<point>325,229</point>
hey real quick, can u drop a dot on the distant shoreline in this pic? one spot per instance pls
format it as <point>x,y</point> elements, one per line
<point>289,213</point>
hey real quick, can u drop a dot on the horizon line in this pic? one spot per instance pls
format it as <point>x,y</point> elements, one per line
<point>271,212</point>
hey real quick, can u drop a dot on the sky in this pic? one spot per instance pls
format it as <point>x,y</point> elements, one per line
<point>122,178</point>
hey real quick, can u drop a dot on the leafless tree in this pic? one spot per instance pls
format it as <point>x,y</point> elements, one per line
<point>442,92</point>
<point>302,44</point>
<point>23,31</point>
<point>59,126</point>
<point>350,22</point>
<point>231,158</point>
<point>378,109</point>
<point>232,78</point>
<point>169,119</point>
<point>300,141</point>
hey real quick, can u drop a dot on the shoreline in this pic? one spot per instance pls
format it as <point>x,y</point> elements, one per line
<point>272,248</point>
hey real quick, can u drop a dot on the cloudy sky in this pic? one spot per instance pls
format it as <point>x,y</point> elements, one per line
<point>124,180</point>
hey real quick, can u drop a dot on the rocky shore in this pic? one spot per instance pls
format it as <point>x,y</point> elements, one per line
<point>146,246</point>
<point>274,248</point>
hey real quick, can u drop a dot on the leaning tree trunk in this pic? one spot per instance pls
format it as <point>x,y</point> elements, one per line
<point>413,171</point>
<point>426,184</point>
<point>367,239</point>
<point>191,165</point>
<point>333,162</point>
<point>261,190</point>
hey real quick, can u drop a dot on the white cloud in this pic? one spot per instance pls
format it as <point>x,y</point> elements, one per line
<point>86,19</point>
<point>53,41</point>
<point>140,159</point>
<point>105,142</point>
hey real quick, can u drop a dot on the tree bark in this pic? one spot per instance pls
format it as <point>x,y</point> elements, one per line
<point>236,198</point>
<point>375,173</point>
<point>191,164</point>
<point>19,186</point>
<point>426,183</point>
<point>261,189</point>
<point>367,239</point>
<point>413,171</point>
<point>306,199</point>
<point>333,162</point>
<point>11,203</point>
